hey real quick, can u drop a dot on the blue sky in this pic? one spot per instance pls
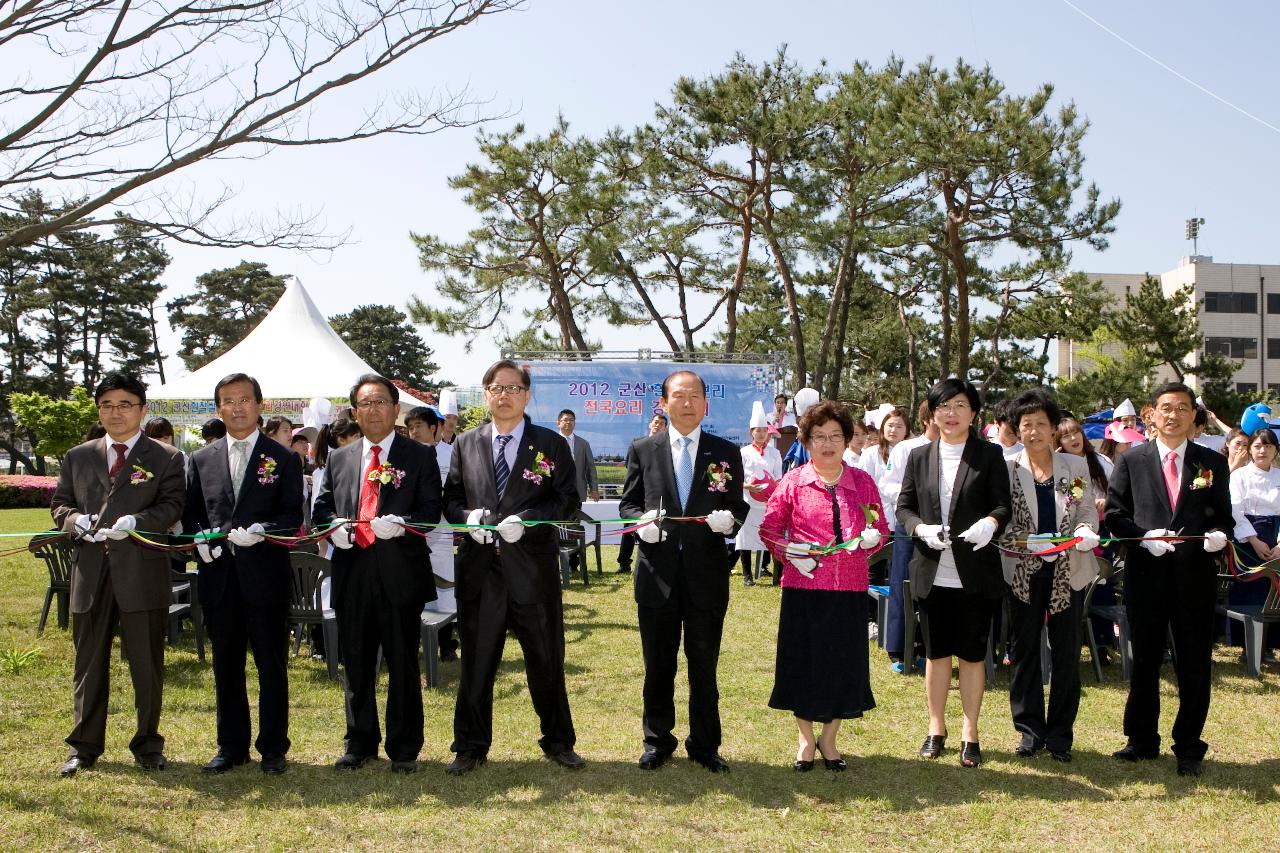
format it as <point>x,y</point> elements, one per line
<point>1166,149</point>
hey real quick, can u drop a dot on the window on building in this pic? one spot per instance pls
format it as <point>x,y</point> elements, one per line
<point>1219,302</point>
<point>1232,347</point>
<point>1273,303</point>
<point>1273,386</point>
<point>1273,347</point>
<point>1246,387</point>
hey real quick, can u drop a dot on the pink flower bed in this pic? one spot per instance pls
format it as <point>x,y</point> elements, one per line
<point>26,492</point>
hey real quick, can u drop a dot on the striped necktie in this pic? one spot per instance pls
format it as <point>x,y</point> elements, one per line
<point>501,473</point>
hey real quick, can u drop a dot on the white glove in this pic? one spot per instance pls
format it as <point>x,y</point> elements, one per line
<point>1215,541</point>
<point>510,528</point>
<point>476,516</point>
<point>932,536</point>
<point>870,538</point>
<point>1089,539</point>
<point>387,526</point>
<point>652,531</point>
<point>119,530</point>
<point>980,533</point>
<point>203,551</point>
<point>1038,543</point>
<point>340,535</point>
<point>83,525</point>
<point>721,521</point>
<point>246,537</point>
<point>1154,546</point>
<point>799,557</point>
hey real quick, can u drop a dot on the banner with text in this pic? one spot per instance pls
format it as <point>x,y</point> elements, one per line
<point>613,401</point>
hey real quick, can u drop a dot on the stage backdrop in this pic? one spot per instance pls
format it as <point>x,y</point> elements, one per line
<point>614,400</point>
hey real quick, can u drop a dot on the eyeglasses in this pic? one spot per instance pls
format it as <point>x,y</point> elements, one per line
<point>243,401</point>
<point>499,390</point>
<point>366,405</point>
<point>955,408</point>
<point>123,408</point>
<point>1175,410</point>
<point>838,438</point>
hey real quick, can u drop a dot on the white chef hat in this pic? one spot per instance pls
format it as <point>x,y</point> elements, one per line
<point>876,415</point>
<point>758,418</point>
<point>1125,410</point>
<point>448,401</point>
<point>806,399</point>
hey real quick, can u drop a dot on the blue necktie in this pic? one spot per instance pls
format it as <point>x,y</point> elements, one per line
<point>684,471</point>
<point>501,473</point>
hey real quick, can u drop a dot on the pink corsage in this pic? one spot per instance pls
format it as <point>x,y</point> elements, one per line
<point>385,475</point>
<point>139,476</point>
<point>542,467</point>
<point>718,477</point>
<point>267,470</point>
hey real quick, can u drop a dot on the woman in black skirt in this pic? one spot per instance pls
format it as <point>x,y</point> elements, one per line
<point>822,673</point>
<point>954,500</point>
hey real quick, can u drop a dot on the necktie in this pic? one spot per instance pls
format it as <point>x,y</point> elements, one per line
<point>118,462</point>
<point>501,473</point>
<point>368,502</point>
<point>684,471</point>
<point>239,461</point>
<point>1171,479</point>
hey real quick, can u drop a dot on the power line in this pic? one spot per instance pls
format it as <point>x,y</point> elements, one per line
<point>1175,72</point>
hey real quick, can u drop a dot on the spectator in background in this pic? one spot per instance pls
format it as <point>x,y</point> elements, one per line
<point>1255,509</point>
<point>874,460</point>
<point>657,424</point>
<point>279,429</point>
<point>160,429</point>
<point>761,470</point>
<point>212,430</point>
<point>1007,437</point>
<point>424,424</point>
<point>448,411</point>
<point>1237,449</point>
<point>857,441</point>
<point>95,432</point>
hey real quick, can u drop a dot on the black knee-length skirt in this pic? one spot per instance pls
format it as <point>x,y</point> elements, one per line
<point>823,669</point>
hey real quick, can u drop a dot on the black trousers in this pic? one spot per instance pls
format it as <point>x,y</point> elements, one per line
<point>1026,683</point>
<point>626,549</point>
<point>142,638</point>
<point>483,622</point>
<point>660,632</point>
<point>1180,599</point>
<point>367,620</point>
<point>235,626</point>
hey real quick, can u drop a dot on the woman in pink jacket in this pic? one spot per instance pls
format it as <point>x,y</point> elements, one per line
<point>822,672</point>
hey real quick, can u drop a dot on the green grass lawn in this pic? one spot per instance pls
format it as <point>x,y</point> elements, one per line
<point>888,798</point>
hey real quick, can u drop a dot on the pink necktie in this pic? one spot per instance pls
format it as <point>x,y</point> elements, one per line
<point>1171,478</point>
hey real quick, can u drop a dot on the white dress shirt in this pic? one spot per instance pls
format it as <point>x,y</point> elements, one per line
<point>128,443</point>
<point>948,466</point>
<point>1253,492</point>
<point>252,441</point>
<point>1163,449</point>
<point>366,453</point>
<point>512,446</point>
<point>673,436</point>
<point>890,484</point>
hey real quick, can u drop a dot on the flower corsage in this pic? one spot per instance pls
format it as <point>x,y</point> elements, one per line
<point>139,476</point>
<point>718,477</point>
<point>541,467</point>
<point>1074,490</point>
<point>1203,479</point>
<point>267,470</point>
<point>387,476</point>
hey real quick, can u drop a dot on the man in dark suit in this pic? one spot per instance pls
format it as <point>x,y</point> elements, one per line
<point>584,462</point>
<point>380,582</point>
<point>1170,487</point>
<point>504,473</point>
<point>682,575</point>
<point>107,487</point>
<point>244,485</point>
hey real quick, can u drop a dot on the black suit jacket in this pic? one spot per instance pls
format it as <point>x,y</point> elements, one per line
<point>262,570</point>
<point>402,563</point>
<point>529,566</point>
<point>1138,501</point>
<point>651,479</point>
<point>981,489</point>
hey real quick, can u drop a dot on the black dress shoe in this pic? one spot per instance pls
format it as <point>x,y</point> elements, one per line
<point>624,569</point>
<point>74,764</point>
<point>567,758</point>
<point>1190,767</point>
<point>747,581</point>
<point>1132,753</point>
<point>1026,750</point>
<point>802,766</point>
<point>222,762</point>
<point>409,766</point>
<point>712,761</point>
<point>837,764</point>
<point>351,761</point>
<point>1063,755</point>
<point>465,762</point>
<point>151,761</point>
<point>274,765</point>
<point>653,758</point>
<point>932,746</point>
<point>970,753</point>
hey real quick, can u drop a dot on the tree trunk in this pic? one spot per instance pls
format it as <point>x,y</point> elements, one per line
<point>955,251</point>
<point>944,306</point>
<point>155,342</point>
<point>913,355</point>
<point>842,329</point>
<point>838,294</point>
<point>739,276</point>
<point>654,314</point>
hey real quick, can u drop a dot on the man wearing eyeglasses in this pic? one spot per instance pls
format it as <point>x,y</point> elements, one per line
<point>1160,490</point>
<point>246,486</point>
<point>372,489</point>
<point>108,488</point>
<point>504,473</point>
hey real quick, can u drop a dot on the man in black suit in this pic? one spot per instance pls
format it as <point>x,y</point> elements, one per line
<point>244,485</point>
<point>372,488</point>
<point>1160,488</point>
<point>682,575</point>
<point>504,473</point>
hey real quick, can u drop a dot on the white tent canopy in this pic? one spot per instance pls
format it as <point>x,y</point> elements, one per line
<point>293,353</point>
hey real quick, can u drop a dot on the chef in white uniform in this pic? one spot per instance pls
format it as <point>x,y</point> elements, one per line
<point>761,470</point>
<point>424,425</point>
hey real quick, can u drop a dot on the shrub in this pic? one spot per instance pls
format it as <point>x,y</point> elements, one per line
<point>26,492</point>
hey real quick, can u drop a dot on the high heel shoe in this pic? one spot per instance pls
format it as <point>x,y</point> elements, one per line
<point>970,754</point>
<point>801,765</point>
<point>836,764</point>
<point>932,746</point>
